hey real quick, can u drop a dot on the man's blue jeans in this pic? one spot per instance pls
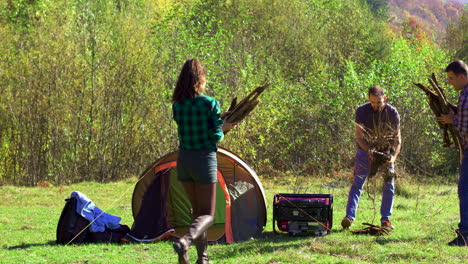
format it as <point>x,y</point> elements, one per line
<point>361,170</point>
<point>463,194</point>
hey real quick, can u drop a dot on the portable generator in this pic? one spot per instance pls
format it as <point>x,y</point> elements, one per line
<point>305,214</point>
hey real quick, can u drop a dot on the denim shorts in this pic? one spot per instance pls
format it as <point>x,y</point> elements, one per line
<point>199,166</point>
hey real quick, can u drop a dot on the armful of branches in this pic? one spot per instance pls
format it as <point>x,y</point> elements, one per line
<point>383,141</point>
<point>441,106</point>
<point>238,111</point>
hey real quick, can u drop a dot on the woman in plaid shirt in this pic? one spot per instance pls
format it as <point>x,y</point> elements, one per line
<point>457,75</point>
<point>200,128</point>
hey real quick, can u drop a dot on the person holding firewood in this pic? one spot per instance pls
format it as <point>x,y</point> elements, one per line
<point>200,128</point>
<point>378,145</point>
<point>457,75</point>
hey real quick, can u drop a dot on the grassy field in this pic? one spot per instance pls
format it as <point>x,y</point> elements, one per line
<point>425,215</point>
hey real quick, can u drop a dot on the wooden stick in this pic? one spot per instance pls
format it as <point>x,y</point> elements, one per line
<point>440,105</point>
<point>237,112</point>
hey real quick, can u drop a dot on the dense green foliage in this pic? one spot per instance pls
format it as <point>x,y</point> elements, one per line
<point>378,7</point>
<point>86,85</point>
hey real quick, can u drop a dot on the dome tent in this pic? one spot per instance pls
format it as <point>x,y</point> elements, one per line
<point>159,202</point>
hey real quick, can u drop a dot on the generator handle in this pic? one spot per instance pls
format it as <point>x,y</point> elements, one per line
<point>303,195</point>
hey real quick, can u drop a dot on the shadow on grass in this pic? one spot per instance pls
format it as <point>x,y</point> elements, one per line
<point>25,246</point>
<point>54,243</point>
<point>269,242</point>
<point>383,240</point>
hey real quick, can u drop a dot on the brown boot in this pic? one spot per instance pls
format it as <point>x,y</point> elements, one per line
<point>201,244</point>
<point>195,231</point>
<point>181,247</point>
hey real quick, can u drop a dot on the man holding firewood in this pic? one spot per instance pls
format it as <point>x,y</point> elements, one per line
<point>457,75</point>
<point>378,145</point>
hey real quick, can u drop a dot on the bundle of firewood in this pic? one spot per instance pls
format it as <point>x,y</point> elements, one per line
<point>441,106</point>
<point>372,230</point>
<point>382,140</point>
<point>238,111</point>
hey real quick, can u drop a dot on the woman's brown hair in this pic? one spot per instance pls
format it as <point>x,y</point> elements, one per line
<point>191,81</point>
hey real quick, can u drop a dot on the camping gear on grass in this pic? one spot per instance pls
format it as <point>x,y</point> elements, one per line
<point>71,225</point>
<point>303,213</point>
<point>159,202</point>
<point>73,228</point>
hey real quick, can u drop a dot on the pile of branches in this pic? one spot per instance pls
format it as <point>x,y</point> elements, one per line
<point>238,111</point>
<point>382,141</point>
<point>372,230</point>
<point>441,106</point>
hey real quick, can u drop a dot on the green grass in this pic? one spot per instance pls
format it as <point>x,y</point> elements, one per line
<point>424,214</point>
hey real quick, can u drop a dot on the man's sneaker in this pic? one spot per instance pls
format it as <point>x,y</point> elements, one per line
<point>346,222</point>
<point>388,224</point>
<point>461,240</point>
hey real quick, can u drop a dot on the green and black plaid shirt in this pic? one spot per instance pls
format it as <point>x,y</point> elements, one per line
<point>199,123</point>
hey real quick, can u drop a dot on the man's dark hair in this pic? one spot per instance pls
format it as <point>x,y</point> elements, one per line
<point>458,67</point>
<point>376,91</point>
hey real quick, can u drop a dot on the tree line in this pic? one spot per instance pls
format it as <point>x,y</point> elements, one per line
<point>86,85</point>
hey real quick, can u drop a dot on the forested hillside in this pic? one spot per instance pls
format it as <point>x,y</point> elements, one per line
<point>444,23</point>
<point>432,15</point>
<point>86,85</point>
